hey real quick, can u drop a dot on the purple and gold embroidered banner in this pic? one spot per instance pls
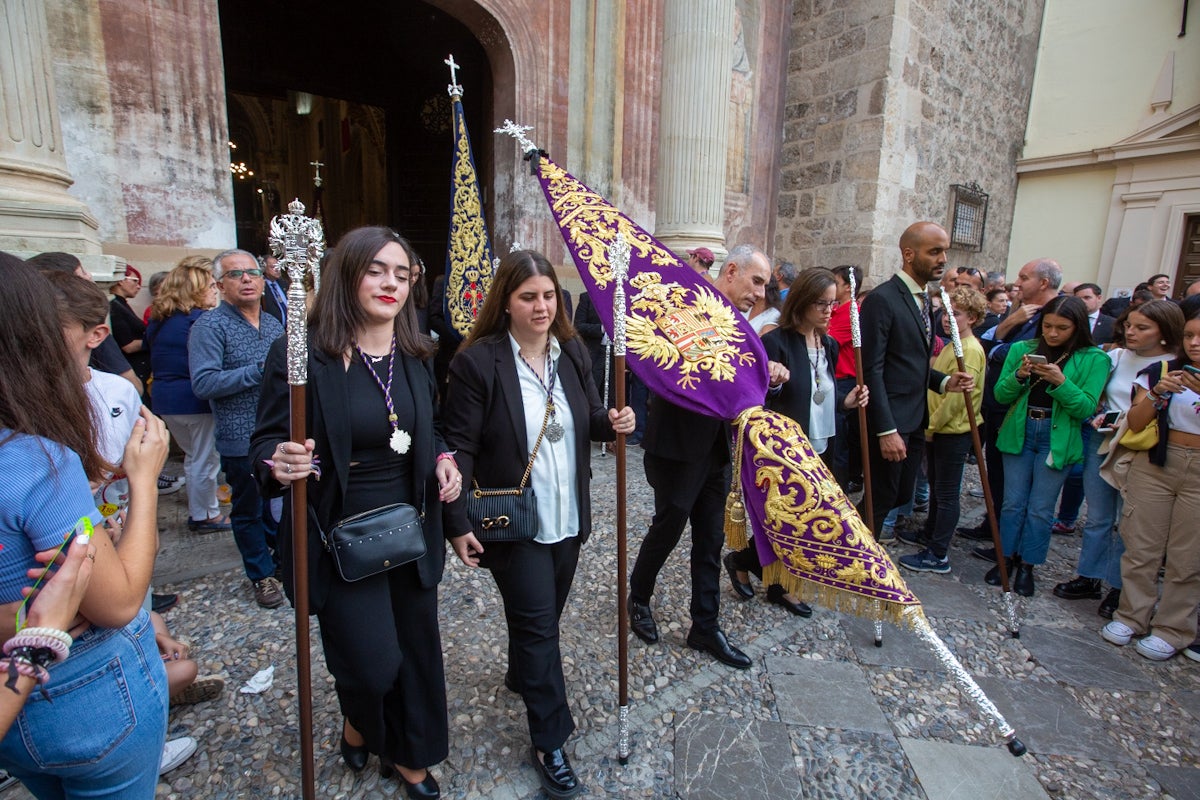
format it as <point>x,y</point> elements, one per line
<point>468,251</point>
<point>685,341</point>
<point>690,346</point>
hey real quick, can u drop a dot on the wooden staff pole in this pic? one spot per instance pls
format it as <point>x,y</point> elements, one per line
<point>618,259</point>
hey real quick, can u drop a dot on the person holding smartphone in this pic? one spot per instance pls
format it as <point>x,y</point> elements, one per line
<point>1162,499</point>
<point>1052,384</point>
<point>1152,333</point>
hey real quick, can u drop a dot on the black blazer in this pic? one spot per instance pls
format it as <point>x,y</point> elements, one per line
<point>1105,327</point>
<point>794,398</point>
<point>896,355</point>
<point>682,435</point>
<point>485,424</point>
<point>269,303</point>
<point>328,421</point>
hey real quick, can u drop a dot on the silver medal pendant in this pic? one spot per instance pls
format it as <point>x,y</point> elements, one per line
<point>554,431</point>
<point>819,397</point>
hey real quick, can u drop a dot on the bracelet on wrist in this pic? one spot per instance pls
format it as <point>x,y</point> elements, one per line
<point>17,665</point>
<point>448,455</point>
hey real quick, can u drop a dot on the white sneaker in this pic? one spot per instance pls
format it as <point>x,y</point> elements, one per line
<point>1155,648</point>
<point>1117,632</point>
<point>175,752</point>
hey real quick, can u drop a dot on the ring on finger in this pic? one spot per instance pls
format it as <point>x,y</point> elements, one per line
<point>287,468</point>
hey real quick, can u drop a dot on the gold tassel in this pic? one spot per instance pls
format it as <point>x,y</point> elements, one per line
<point>736,533</point>
<point>899,614</point>
<point>735,522</point>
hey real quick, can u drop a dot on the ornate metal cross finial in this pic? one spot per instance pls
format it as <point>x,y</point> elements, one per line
<point>515,247</point>
<point>518,132</point>
<point>454,90</point>
<point>298,242</point>
<point>317,178</point>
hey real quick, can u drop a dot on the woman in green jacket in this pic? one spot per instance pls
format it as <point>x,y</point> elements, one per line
<point>1051,384</point>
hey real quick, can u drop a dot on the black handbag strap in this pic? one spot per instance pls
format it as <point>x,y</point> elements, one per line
<point>537,444</point>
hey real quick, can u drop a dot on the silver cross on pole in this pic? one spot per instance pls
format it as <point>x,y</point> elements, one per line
<point>317,178</point>
<point>454,90</point>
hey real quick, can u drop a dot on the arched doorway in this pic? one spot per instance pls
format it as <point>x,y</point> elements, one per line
<point>360,87</point>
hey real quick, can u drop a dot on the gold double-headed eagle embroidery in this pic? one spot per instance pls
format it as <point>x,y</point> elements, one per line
<point>470,263</point>
<point>678,327</point>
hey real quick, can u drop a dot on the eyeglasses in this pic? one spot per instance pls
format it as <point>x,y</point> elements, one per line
<point>237,274</point>
<point>974,273</point>
<point>825,304</point>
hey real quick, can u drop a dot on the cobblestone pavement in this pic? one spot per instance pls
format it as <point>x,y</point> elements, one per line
<point>822,713</point>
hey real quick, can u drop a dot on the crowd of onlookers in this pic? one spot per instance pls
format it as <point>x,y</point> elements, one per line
<point>1075,399</point>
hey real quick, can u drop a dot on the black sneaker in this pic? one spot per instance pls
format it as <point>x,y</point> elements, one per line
<point>1109,604</point>
<point>979,533</point>
<point>1079,589</point>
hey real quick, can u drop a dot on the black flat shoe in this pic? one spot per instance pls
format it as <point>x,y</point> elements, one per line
<point>743,590</point>
<point>425,790</point>
<point>1109,604</point>
<point>355,757</point>
<point>776,595</point>
<point>642,622</point>
<point>717,646</point>
<point>555,773</point>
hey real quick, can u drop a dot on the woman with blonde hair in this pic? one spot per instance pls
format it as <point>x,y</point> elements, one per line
<point>187,292</point>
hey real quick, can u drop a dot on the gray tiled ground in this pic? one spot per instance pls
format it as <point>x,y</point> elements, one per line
<point>717,757</point>
<point>829,695</point>
<point>1182,783</point>
<point>901,648</point>
<point>943,596</point>
<point>959,772</point>
<point>1082,658</point>
<point>1049,720</point>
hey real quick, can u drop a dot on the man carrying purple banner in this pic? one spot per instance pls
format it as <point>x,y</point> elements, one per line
<point>687,464</point>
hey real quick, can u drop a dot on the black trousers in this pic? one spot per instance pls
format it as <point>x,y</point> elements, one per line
<point>946,458</point>
<point>535,581</point>
<point>685,491</point>
<point>846,446</point>
<point>892,482</point>
<point>384,649</point>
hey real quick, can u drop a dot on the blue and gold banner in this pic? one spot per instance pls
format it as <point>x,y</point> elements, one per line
<point>468,250</point>
<point>693,348</point>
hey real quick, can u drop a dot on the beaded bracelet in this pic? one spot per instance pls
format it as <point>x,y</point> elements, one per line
<point>18,665</point>
<point>32,639</point>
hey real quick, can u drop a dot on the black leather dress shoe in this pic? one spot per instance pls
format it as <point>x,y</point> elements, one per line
<point>743,590</point>
<point>1079,589</point>
<point>642,622</point>
<point>555,773</point>
<point>992,578</point>
<point>510,682</point>
<point>980,533</point>
<point>160,603</point>
<point>717,646</point>
<point>355,757</point>
<point>776,595</point>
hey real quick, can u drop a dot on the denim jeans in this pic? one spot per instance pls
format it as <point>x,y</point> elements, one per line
<point>1100,554</point>
<point>945,460</point>
<point>1031,489</point>
<point>1073,490</point>
<point>254,535</point>
<point>920,495</point>
<point>102,735</point>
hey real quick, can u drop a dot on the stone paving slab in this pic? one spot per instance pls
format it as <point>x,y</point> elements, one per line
<point>959,772</point>
<point>829,695</point>
<point>1182,783</point>
<point>717,757</point>
<point>1190,702</point>
<point>901,648</point>
<point>943,596</point>
<point>1049,720</point>
<point>1081,658</point>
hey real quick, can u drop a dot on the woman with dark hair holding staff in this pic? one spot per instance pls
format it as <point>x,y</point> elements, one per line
<point>372,426</point>
<point>524,375</point>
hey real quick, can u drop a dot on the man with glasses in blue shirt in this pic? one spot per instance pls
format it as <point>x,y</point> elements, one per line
<point>226,349</point>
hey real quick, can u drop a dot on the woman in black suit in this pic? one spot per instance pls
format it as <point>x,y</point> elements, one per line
<point>523,355</point>
<point>810,396</point>
<point>370,399</point>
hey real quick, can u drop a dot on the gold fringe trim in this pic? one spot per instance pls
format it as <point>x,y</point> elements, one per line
<point>903,615</point>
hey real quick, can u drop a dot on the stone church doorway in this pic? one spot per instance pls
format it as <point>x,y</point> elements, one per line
<point>360,88</point>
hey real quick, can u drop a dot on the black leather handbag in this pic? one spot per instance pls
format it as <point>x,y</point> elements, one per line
<point>507,515</point>
<point>375,541</point>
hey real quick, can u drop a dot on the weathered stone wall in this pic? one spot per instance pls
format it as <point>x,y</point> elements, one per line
<point>889,102</point>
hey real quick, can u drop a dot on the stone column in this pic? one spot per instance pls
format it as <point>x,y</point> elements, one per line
<point>36,212</point>
<point>697,63</point>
